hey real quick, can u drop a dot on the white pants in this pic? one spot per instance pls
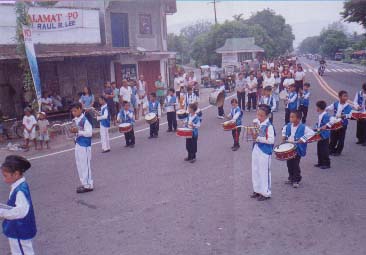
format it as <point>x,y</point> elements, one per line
<point>104,138</point>
<point>21,247</point>
<point>261,172</point>
<point>83,157</point>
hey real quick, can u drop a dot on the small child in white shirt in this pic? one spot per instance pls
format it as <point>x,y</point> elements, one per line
<point>29,124</point>
<point>43,125</point>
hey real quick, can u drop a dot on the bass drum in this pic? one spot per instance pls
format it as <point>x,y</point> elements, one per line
<point>217,98</point>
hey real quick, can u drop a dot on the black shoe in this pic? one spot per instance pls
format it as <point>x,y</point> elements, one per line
<point>289,182</point>
<point>82,189</point>
<point>359,142</point>
<point>235,148</point>
<point>127,145</point>
<point>263,198</point>
<point>187,159</point>
<point>132,146</point>
<point>254,195</point>
<point>155,136</point>
<point>324,167</point>
<point>364,144</point>
<point>150,137</point>
<point>192,160</point>
<point>317,165</point>
<point>169,130</point>
<point>336,154</point>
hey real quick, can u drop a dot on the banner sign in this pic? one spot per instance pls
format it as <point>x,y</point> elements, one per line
<point>45,20</point>
<point>32,60</point>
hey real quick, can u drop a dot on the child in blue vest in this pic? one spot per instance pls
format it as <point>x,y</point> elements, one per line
<point>262,154</point>
<point>323,145</point>
<point>170,107</point>
<point>126,116</point>
<point>340,109</point>
<point>269,100</point>
<point>296,132</point>
<point>194,122</point>
<point>19,224</point>
<point>154,106</point>
<point>83,131</point>
<point>304,100</point>
<point>105,124</point>
<point>220,109</point>
<point>291,102</point>
<point>360,102</point>
<point>236,115</point>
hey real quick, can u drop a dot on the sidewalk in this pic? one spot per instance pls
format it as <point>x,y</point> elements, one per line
<point>60,143</point>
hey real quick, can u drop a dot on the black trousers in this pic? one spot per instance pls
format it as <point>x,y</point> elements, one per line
<point>196,92</point>
<point>241,100</point>
<point>252,100</point>
<point>236,135</point>
<point>154,129</point>
<point>220,110</point>
<point>337,140</point>
<point>323,152</point>
<point>304,111</point>
<point>294,170</point>
<point>172,120</point>
<point>287,115</point>
<point>177,93</point>
<point>271,117</point>
<point>191,146</point>
<point>130,137</point>
<point>361,131</point>
<point>299,85</point>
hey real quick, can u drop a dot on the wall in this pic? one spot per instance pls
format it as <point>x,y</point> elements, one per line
<point>87,32</point>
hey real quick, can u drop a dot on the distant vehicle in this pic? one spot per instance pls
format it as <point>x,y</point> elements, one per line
<point>338,56</point>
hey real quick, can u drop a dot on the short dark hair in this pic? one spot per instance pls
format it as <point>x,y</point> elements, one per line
<point>193,106</point>
<point>297,113</point>
<point>125,102</point>
<point>76,106</point>
<point>172,90</point>
<point>234,100</point>
<point>321,104</point>
<point>15,163</point>
<point>265,108</point>
<point>189,88</point>
<point>364,86</point>
<point>307,84</point>
<point>103,98</point>
<point>341,93</point>
<point>153,94</point>
<point>268,88</point>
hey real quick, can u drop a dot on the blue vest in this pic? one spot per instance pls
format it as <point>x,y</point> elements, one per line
<point>172,101</point>
<point>346,110</point>
<point>107,122</point>
<point>301,147</point>
<point>303,101</point>
<point>125,118</point>
<point>82,140</point>
<point>264,147</point>
<point>239,119</point>
<point>270,104</point>
<point>195,120</point>
<point>324,121</point>
<point>24,228</point>
<point>292,106</point>
<point>154,107</point>
<point>360,98</point>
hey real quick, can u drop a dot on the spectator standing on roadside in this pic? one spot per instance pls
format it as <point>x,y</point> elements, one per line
<point>108,94</point>
<point>160,91</point>
<point>241,86</point>
<point>115,100</point>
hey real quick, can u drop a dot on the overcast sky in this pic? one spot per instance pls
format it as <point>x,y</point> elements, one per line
<point>307,18</point>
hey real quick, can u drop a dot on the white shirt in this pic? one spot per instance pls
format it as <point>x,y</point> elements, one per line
<point>307,133</point>
<point>269,81</point>
<point>87,131</point>
<point>21,204</point>
<point>320,118</point>
<point>252,85</point>
<point>29,121</point>
<point>288,81</point>
<point>241,85</point>
<point>125,93</point>
<point>299,76</point>
<point>127,113</point>
<point>169,107</point>
<point>267,101</point>
<point>190,99</point>
<point>339,110</point>
<point>105,115</point>
<point>270,136</point>
<point>141,88</point>
<point>355,101</point>
<point>190,121</point>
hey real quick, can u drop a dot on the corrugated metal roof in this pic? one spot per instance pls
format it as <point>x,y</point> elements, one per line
<point>240,45</point>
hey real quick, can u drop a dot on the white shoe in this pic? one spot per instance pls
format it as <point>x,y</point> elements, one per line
<point>220,117</point>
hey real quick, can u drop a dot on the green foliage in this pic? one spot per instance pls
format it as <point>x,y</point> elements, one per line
<point>310,45</point>
<point>332,41</point>
<point>355,11</point>
<point>179,44</point>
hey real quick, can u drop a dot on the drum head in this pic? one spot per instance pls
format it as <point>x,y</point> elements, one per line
<point>220,99</point>
<point>150,116</point>
<point>184,129</point>
<point>284,147</point>
<point>123,125</point>
<point>181,111</point>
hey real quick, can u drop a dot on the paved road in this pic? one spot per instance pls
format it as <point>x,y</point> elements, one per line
<point>147,200</point>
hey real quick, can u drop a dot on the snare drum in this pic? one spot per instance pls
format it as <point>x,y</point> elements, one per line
<point>314,138</point>
<point>337,124</point>
<point>217,98</point>
<point>151,118</point>
<point>285,151</point>
<point>283,94</point>
<point>185,132</point>
<point>358,115</point>
<point>125,127</point>
<point>182,114</point>
<point>229,125</point>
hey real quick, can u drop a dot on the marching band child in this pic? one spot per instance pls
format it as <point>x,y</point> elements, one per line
<point>304,99</point>
<point>291,102</point>
<point>19,224</point>
<point>84,132</point>
<point>43,125</point>
<point>170,105</point>
<point>105,124</point>
<point>323,145</point>
<point>236,115</point>
<point>340,109</point>
<point>268,99</point>
<point>296,132</point>
<point>220,109</point>
<point>190,98</point>
<point>126,116</point>
<point>29,124</point>
<point>154,106</point>
<point>194,122</point>
<point>359,102</point>
<point>262,154</point>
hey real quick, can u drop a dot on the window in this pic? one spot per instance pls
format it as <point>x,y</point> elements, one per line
<point>119,29</point>
<point>129,72</point>
<point>244,56</point>
<point>145,24</point>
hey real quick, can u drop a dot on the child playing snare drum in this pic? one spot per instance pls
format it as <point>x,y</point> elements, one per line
<point>154,107</point>
<point>236,115</point>
<point>323,145</point>
<point>296,132</point>
<point>126,116</point>
<point>194,122</point>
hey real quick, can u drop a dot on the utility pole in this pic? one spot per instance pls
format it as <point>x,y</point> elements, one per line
<point>214,4</point>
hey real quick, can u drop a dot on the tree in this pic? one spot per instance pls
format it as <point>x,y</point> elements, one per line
<point>332,41</point>
<point>355,11</point>
<point>190,32</point>
<point>180,45</point>
<point>310,45</point>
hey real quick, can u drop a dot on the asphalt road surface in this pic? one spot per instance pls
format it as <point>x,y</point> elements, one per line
<point>147,200</point>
